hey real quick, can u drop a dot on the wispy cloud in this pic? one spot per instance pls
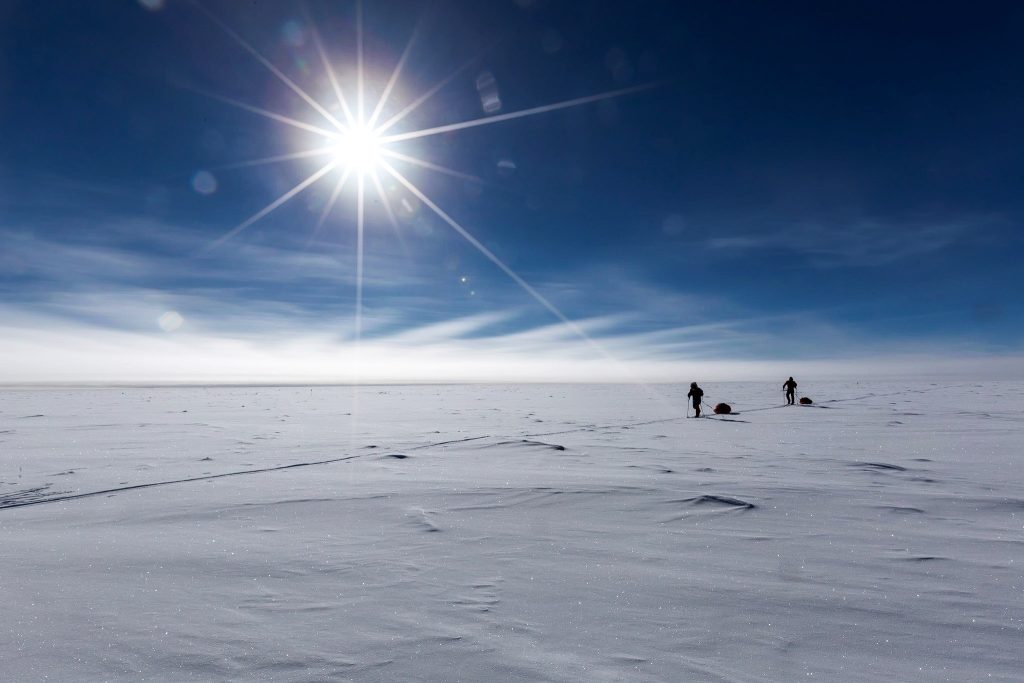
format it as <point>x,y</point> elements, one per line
<point>49,350</point>
<point>860,243</point>
<point>166,258</point>
<point>134,304</point>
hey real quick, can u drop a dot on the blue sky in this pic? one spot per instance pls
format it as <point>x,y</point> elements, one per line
<point>821,186</point>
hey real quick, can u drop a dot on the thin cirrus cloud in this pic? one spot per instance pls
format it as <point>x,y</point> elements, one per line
<point>861,243</point>
<point>53,260</point>
<point>76,340</point>
<point>64,352</point>
<point>110,311</point>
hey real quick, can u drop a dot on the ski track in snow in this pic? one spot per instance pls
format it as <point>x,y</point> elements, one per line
<point>429,533</point>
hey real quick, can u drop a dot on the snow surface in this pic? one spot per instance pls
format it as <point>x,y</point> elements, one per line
<point>521,532</point>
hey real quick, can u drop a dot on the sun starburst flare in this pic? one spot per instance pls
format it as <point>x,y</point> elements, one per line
<point>359,146</point>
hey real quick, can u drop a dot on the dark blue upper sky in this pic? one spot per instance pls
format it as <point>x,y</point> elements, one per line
<point>806,178</point>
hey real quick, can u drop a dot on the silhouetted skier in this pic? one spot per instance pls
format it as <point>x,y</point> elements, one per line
<point>790,386</point>
<point>696,393</point>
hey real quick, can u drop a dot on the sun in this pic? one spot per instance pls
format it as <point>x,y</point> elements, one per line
<point>360,149</point>
<point>364,148</point>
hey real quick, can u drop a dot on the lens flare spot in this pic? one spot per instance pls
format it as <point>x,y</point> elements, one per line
<point>674,224</point>
<point>487,87</point>
<point>204,183</point>
<point>171,321</point>
<point>293,33</point>
<point>551,41</point>
<point>506,167</point>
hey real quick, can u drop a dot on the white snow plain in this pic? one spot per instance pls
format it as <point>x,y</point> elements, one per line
<point>518,532</point>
